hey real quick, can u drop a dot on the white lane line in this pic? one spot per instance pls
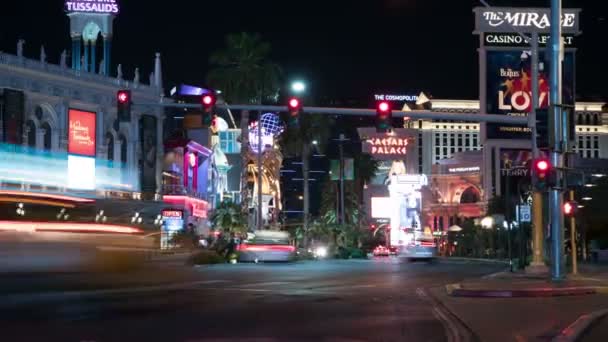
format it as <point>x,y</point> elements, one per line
<point>450,328</point>
<point>270,283</point>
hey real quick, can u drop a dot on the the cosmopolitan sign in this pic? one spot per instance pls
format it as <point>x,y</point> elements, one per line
<point>387,146</point>
<point>505,19</point>
<point>92,6</point>
<point>394,97</point>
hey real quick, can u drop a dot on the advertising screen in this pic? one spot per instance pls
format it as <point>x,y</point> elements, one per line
<point>81,132</point>
<point>381,207</point>
<point>81,173</point>
<point>509,88</point>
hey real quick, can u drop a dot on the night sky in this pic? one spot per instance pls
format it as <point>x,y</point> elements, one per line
<point>346,49</point>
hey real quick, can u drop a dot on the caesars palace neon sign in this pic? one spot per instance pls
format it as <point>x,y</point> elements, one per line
<point>388,145</point>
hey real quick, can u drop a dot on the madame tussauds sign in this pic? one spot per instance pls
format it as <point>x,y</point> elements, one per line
<point>92,6</point>
<point>501,19</point>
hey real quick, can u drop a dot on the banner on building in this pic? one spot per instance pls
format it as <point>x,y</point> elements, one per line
<point>82,128</point>
<point>509,88</point>
<point>149,141</point>
<point>349,169</point>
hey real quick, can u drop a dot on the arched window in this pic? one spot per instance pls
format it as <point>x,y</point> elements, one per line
<point>470,195</point>
<point>47,136</point>
<point>30,128</point>
<point>579,119</point>
<point>110,146</point>
<point>123,149</point>
<point>596,119</point>
<point>587,119</point>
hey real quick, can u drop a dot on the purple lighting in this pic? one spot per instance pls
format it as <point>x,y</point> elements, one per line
<point>92,6</point>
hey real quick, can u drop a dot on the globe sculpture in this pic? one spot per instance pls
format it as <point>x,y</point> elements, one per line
<point>271,127</point>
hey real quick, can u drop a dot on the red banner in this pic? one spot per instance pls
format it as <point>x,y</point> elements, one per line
<point>81,133</point>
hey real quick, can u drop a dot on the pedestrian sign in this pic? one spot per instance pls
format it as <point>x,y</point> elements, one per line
<point>524,213</point>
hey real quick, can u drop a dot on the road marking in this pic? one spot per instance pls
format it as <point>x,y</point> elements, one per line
<point>450,328</point>
<point>270,283</point>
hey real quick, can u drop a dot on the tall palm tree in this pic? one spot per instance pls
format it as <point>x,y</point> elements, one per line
<point>298,141</point>
<point>366,168</point>
<point>245,75</point>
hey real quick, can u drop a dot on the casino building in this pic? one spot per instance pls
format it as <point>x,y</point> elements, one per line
<point>60,133</point>
<point>462,170</point>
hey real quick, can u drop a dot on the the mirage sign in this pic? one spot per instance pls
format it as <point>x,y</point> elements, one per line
<point>504,19</point>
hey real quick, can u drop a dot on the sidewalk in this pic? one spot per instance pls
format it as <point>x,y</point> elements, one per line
<point>509,306</point>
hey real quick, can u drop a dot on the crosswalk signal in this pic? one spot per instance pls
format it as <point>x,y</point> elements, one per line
<point>294,107</point>
<point>208,102</point>
<point>384,117</point>
<point>123,105</point>
<point>570,208</point>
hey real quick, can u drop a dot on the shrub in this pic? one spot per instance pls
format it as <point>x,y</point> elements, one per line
<point>357,253</point>
<point>206,257</point>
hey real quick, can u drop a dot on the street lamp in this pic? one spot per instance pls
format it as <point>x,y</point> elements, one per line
<point>487,222</point>
<point>298,87</point>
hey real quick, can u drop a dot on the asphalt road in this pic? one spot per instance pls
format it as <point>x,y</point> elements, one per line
<point>367,300</point>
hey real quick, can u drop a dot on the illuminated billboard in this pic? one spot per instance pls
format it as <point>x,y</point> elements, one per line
<point>509,88</point>
<point>92,6</point>
<point>381,207</point>
<point>81,173</point>
<point>81,132</point>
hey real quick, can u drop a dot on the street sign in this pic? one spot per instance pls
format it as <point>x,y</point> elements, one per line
<point>524,213</point>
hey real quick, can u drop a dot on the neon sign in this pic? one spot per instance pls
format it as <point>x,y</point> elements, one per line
<point>92,6</point>
<point>388,145</point>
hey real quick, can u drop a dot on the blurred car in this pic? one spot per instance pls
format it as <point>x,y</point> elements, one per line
<point>423,247</point>
<point>266,246</point>
<point>381,251</point>
<point>393,250</point>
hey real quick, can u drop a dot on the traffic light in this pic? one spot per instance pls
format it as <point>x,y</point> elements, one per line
<point>384,117</point>
<point>208,102</point>
<point>570,208</point>
<point>123,105</point>
<point>543,174</point>
<point>542,128</point>
<point>294,107</point>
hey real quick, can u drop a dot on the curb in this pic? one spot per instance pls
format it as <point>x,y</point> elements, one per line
<point>576,330</point>
<point>456,290</point>
<point>492,261</point>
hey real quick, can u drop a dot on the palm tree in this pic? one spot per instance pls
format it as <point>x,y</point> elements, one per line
<point>366,168</point>
<point>245,75</point>
<point>227,218</point>
<point>299,142</point>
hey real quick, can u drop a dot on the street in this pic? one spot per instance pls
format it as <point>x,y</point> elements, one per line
<point>353,300</point>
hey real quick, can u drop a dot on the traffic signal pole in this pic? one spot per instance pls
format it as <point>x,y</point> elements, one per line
<point>537,265</point>
<point>557,145</point>
<point>573,237</point>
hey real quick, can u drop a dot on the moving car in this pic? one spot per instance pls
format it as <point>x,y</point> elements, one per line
<point>266,246</point>
<point>381,251</point>
<point>421,247</point>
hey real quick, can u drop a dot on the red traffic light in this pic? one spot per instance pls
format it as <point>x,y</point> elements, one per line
<point>123,96</point>
<point>542,165</point>
<point>208,100</point>
<point>384,106</point>
<point>293,103</point>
